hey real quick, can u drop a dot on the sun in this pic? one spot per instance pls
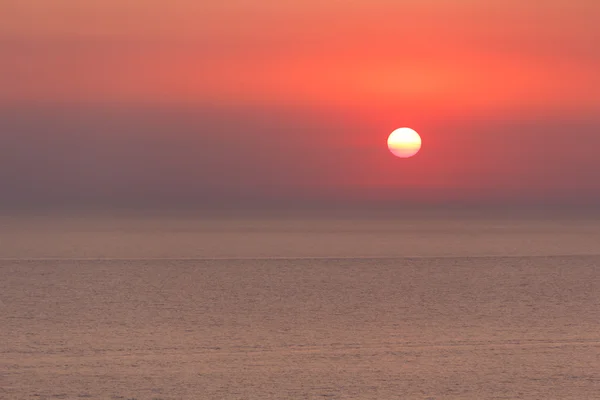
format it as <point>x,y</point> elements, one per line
<point>404,142</point>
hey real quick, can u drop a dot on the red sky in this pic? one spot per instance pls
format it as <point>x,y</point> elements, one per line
<point>506,95</point>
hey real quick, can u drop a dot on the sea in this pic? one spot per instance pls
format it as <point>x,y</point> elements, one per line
<point>170,307</point>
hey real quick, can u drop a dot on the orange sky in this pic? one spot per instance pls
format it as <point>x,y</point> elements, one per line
<point>496,88</point>
<point>432,53</point>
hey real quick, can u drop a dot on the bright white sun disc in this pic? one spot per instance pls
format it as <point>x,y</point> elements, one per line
<point>404,142</point>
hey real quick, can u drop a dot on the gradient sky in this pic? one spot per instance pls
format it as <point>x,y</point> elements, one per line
<point>266,102</point>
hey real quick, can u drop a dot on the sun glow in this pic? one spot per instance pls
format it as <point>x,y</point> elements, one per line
<point>404,142</point>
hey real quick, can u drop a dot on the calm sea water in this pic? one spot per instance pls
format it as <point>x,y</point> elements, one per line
<point>192,308</point>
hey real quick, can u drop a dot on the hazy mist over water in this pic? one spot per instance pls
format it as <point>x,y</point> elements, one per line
<point>176,307</point>
<point>420,234</point>
<point>409,233</point>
